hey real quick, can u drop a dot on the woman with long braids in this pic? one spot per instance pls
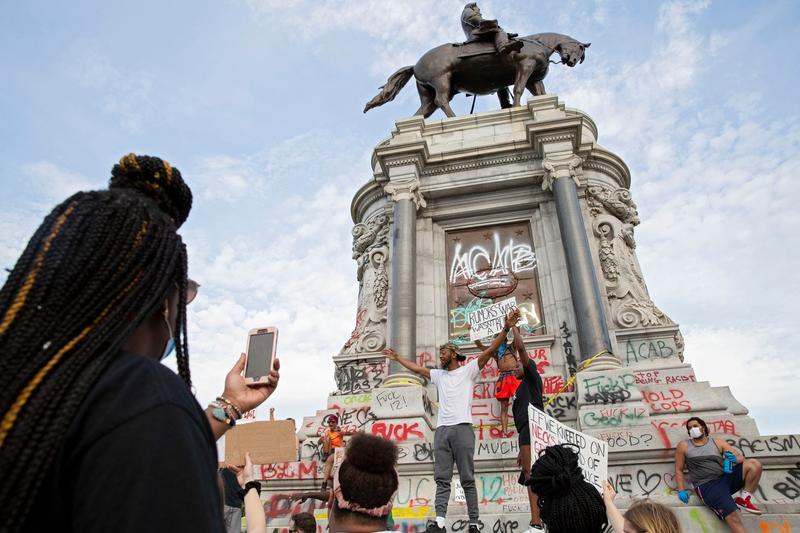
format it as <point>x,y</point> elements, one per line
<point>567,502</point>
<point>96,434</point>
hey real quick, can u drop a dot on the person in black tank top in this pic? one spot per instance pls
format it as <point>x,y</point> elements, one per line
<point>705,459</point>
<point>529,392</point>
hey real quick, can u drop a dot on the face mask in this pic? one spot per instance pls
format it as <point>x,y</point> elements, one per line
<point>695,432</point>
<point>170,346</point>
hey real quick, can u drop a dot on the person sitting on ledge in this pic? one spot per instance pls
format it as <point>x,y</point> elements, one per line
<point>332,438</point>
<point>717,471</point>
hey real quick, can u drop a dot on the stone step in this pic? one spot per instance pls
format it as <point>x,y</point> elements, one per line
<point>693,519</point>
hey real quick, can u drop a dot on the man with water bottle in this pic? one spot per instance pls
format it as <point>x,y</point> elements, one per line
<point>717,470</point>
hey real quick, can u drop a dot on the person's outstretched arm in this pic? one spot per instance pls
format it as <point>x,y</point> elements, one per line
<point>253,510</point>
<point>487,354</point>
<point>524,358</point>
<point>411,365</point>
<point>615,518</point>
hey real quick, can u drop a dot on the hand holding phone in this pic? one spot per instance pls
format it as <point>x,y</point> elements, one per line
<point>261,345</point>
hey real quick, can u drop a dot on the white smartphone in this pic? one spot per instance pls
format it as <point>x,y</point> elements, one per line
<point>261,344</point>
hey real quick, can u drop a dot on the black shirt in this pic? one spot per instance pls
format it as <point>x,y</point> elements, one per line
<point>528,392</point>
<point>138,456</point>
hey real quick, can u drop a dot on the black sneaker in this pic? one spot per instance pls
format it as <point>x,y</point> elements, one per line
<point>433,528</point>
<point>474,529</point>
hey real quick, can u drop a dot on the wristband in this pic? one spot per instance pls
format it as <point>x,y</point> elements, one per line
<point>250,485</point>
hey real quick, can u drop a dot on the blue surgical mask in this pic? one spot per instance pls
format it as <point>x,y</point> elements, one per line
<point>170,346</point>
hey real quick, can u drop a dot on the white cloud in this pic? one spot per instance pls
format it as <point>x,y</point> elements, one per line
<point>713,175</point>
<point>754,363</point>
<point>296,274</point>
<point>125,94</point>
<point>56,183</point>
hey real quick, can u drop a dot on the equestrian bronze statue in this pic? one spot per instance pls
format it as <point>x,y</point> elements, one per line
<point>488,62</point>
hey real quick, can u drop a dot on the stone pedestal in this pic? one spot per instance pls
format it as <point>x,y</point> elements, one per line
<point>520,202</point>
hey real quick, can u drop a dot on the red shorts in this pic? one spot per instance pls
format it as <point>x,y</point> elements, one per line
<point>506,387</point>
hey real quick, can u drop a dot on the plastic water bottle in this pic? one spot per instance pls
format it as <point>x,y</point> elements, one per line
<point>727,465</point>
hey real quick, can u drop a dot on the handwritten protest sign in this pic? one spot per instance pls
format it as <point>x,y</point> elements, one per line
<point>592,453</point>
<point>489,321</point>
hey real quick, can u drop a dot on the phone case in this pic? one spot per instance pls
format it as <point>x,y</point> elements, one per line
<point>258,331</point>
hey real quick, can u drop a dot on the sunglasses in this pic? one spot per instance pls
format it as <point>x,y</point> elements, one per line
<point>192,287</point>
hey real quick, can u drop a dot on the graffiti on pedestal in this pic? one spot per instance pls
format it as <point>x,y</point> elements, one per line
<point>486,264</point>
<point>566,345</point>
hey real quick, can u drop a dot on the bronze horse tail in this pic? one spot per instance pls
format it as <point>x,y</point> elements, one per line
<point>393,86</point>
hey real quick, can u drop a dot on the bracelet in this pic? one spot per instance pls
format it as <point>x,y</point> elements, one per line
<point>219,413</point>
<point>224,400</point>
<point>250,485</point>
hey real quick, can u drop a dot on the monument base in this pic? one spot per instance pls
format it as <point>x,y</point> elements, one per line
<point>485,180</point>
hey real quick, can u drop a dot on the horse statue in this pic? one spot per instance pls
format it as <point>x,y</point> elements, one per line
<point>476,68</point>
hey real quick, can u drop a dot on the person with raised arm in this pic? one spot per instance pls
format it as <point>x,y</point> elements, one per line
<point>454,440</point>
<point>529,392</point>
<point>507,381</point>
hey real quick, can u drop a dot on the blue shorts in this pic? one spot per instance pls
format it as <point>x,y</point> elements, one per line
<point>716,494</point>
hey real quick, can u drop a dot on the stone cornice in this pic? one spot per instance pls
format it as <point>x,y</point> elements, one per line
<point>477,163</point>
<point>608,163</point>
<point>368,194</point>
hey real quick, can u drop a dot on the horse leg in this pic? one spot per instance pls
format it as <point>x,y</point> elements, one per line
<point>442,87</point>
<point>524,71</point>
<point>535,87</point>
<point>426,98</point>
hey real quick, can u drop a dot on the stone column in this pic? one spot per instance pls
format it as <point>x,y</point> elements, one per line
<point>402,318</point>
<point>562,169</point>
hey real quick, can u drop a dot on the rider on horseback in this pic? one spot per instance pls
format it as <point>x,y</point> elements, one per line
<point>476,28</point>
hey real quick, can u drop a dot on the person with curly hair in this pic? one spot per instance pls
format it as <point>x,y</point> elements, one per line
<point>96,434</point>
<point>364,486</point>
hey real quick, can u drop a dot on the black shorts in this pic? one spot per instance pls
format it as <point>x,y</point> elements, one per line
<point>716,494</point>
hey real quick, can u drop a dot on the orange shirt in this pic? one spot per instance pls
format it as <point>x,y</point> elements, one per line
<point>337,439</point>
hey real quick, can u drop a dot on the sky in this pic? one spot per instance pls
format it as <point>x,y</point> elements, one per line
<point>258,103</point>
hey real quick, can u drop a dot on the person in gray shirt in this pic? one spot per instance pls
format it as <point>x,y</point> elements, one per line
<point>717,471</point>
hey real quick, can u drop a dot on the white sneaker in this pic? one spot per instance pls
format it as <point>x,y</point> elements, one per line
<point>539,528</point>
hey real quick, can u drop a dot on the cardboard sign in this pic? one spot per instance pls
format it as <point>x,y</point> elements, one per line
<point>268,442</point>
<point>592,453</point>
<point>489,321</point>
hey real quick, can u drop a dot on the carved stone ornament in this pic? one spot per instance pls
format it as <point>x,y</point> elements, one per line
<point>405,189</point>
<point>614,217</point>
<point>371,253</point>
<point>561,166</point>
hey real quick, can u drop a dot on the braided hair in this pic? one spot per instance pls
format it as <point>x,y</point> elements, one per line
<point>567,502</point>
<point>99,264</point>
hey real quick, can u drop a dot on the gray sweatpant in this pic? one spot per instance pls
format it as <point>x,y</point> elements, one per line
<point>455,445</point>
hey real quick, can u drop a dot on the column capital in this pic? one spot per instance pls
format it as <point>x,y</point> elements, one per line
<point>561,165</point>
<point>405,188</point>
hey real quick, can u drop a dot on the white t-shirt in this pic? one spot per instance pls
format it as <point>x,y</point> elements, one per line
<point>455,389</point>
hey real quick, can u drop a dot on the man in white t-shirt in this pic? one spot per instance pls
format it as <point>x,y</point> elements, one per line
<point>454,441</point>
